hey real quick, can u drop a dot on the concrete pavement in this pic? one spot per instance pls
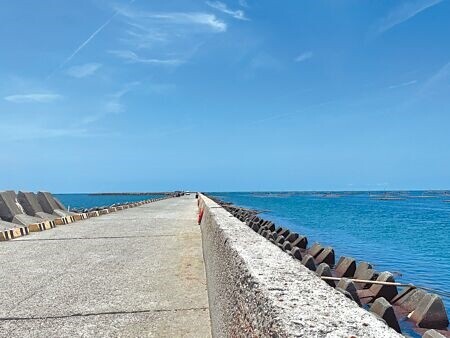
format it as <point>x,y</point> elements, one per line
<point>134,273</point>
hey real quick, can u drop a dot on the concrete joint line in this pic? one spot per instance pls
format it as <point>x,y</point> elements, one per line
<point>91,238</point>
<point>107,313</point>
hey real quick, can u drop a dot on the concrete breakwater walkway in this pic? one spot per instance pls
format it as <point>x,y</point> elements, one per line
<point>134,273</point>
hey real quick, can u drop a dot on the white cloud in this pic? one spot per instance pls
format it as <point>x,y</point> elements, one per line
<point>404,12</point>
<point>33,97</point>
<point>209,21</point>
<point>172,37</point>
<point>220,6</point>
<point>132,57</point>
<point>304,56</point>
<point>85,70</point>
<point>404,84</point>
<point>112,105</point>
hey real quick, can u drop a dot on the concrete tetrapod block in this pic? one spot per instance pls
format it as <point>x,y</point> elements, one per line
<point>315,249</point>
<point>345,293</point>
<point>285,232</point>
<point>347,285</point>
<point>346,267</point>
<point>279,241</point>
<point>368,274</point>
<point>324,270</point>
<point>287,246</point>
<point>49,204</point>
<point>386,291</point>
<point>385,311</point>
<point>270,226</point>
<point>301,242</point>
<point>296,253</point>
<point>292,237</point>
<point>432,334</point>
<point>361,269</point>
<point>409,298</point>
<point>255,227</point>
<point>430,313</point>
<point>326,256</point>
<point>31,206</point>
<point>9,207</point>
<point>308,261</point>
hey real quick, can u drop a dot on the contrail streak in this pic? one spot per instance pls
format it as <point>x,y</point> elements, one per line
<point>86,42</point>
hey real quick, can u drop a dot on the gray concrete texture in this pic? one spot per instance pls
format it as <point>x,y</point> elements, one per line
<point>257,290</point>
<point>50,205</point>
<point>11,211</point>
<point>134,273</point>
<point>31,206</point>
<point>9,206</point>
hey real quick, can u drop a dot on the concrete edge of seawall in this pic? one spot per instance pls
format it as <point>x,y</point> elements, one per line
<point>255,289</point>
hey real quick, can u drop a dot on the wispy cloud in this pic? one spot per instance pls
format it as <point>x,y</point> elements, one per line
<point>33,97</point>
<point>304,56</point>
<point>220,6</point>
<point>82,71</point>
<point>112,105</point>
<point>437,79</point>
<point>402,13</point>
<point>206,20</point>
<point>403,84</point>
<point>132,57</point>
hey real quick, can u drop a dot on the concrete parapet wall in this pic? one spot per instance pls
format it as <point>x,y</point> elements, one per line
<point>256,290</point>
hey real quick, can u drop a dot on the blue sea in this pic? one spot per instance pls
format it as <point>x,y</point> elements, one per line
<point>406,233</point>
<point>86,201</point>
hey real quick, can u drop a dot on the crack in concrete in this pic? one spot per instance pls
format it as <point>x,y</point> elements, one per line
<point>107,313</point>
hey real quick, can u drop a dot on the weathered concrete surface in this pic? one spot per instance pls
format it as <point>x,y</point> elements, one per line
<point>134,273</point>
<point>257,290</point>
<point>7,225</point>
<point>31,206</point>
<point>51,205</point>
<point>12,211</point>
<point>8,206</point>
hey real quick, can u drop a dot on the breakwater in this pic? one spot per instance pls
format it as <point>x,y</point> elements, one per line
<point>27,212</point>
<point>384,298</point>
<point>257,290</point>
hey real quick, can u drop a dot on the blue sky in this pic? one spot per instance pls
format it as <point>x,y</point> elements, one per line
<point>140,95</point>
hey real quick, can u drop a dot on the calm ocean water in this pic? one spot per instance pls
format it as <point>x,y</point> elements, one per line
<point>81,201</point>
<point>407,234</point>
